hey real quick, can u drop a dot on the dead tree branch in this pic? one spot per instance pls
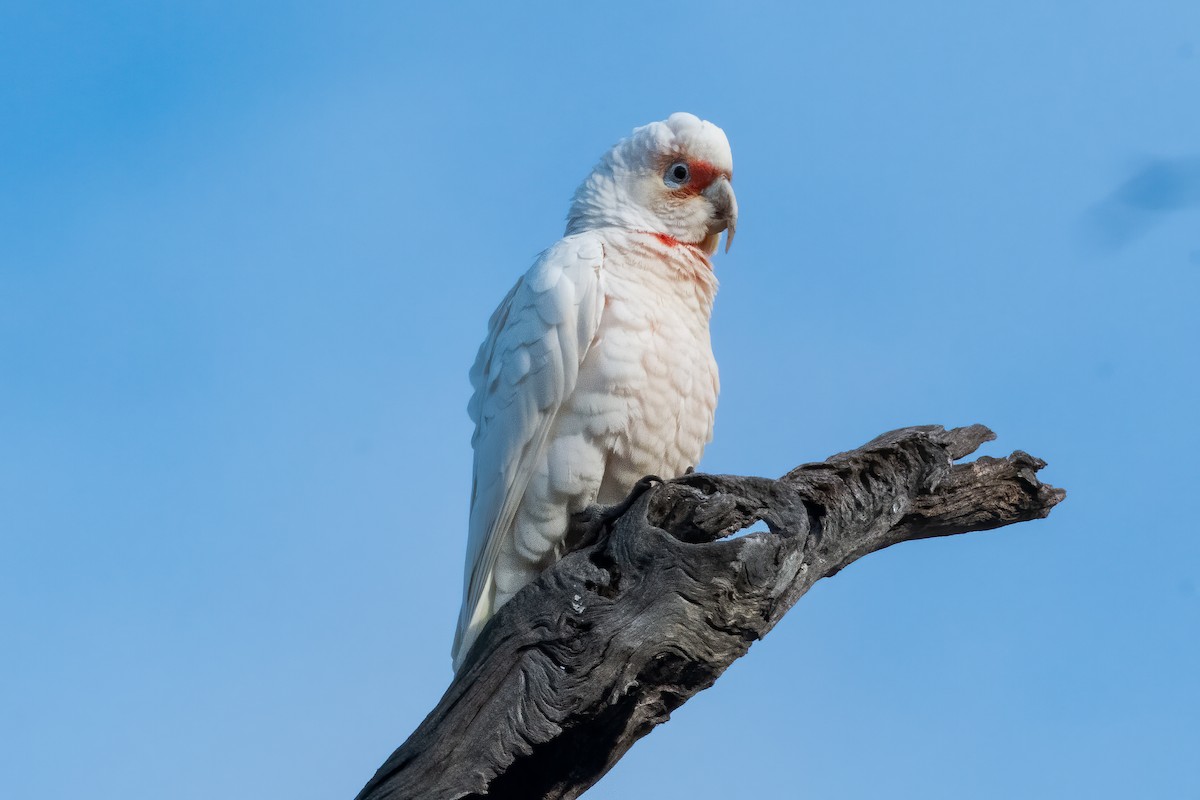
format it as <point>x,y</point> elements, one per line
<point>656,602</point>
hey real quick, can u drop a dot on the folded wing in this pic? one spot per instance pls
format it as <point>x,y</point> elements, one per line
<point>526,368</point>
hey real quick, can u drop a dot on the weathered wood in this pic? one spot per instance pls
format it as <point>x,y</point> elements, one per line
<point>656,602</point>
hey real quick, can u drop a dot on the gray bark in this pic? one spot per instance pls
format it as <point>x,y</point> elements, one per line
<point>655,601</point>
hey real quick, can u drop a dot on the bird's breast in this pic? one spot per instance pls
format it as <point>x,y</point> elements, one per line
<point>648,386</point>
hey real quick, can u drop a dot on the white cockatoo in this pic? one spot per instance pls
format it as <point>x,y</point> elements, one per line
<point>597,368</point>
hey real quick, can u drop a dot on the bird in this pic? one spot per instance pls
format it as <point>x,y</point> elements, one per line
<point>597,368</point>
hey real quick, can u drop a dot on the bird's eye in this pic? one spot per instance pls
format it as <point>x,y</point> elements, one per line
<point>677,174</point>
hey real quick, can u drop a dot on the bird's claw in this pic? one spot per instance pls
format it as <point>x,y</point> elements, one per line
<point>613,512</point>
<point>592,524</point>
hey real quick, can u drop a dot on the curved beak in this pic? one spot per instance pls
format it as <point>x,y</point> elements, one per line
<point>725,210</point>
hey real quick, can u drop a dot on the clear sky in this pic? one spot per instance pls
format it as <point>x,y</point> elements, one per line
<point>248,250</point>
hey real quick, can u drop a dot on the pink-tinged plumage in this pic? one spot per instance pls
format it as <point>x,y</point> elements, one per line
<point>597,368</point>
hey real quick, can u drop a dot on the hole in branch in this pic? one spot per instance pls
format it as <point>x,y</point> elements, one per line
<point>753,527</point>
<point>748,531</point>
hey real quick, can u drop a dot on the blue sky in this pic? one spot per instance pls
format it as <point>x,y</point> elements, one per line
<point>247,252</point>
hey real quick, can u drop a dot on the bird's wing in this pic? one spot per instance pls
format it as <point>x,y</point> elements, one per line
<point>527,366</point>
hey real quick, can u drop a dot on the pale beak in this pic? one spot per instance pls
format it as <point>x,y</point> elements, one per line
<point>725,210</point>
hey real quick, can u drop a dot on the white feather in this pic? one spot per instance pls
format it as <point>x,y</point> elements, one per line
<point>597,368</point>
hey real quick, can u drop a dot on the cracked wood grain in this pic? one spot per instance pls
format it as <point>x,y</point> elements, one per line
<point>656,601</point>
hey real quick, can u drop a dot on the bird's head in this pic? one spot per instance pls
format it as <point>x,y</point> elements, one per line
<point>670,178</point>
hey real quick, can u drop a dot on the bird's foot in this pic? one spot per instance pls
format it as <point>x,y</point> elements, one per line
<point>593,523</point>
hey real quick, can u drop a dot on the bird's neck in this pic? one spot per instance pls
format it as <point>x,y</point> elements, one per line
<point>601,202</point>
<point>665,257</point>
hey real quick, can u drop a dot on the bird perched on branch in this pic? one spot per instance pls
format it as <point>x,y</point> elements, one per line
<point>597,368</point>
